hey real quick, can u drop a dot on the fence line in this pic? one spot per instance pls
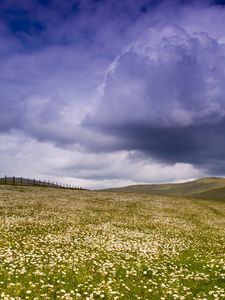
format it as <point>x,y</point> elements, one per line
<point>20,181</point>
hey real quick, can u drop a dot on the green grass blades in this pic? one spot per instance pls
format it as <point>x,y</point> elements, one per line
<point>64,244</point>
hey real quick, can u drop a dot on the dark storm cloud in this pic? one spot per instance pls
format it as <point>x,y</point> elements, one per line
<point>201,145</point>
<point>218,2</point>
<point>165,96</point>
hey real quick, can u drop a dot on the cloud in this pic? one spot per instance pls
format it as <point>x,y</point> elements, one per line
<point>24,156</point>
<point>164,95</point>
<point>49,77</point>
<point>109,81</point>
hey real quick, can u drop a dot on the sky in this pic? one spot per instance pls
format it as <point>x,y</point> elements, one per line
<point>101,93</point>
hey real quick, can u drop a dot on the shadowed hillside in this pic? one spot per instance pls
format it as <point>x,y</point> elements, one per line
<point>204,187</point>
<point>213,194</point>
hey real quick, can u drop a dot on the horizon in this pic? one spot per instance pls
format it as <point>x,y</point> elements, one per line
<point>102,94</point>
<point>68,185</point>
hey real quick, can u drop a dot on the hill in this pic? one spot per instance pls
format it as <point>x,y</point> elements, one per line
<point>193,188</point>
<point>73,244</point>
<point>213,194</point>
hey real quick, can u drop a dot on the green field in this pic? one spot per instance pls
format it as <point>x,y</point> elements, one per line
<point>68,244</point>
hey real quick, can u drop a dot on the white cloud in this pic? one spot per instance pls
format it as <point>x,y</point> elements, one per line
<point>27,157</point>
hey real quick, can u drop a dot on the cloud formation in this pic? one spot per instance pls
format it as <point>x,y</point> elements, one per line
<point>24,156</point>
<point>131,83</point>
<point>164,95</point>
<point>49,73</point>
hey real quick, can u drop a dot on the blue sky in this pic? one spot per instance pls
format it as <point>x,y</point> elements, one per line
<point>108,93</point>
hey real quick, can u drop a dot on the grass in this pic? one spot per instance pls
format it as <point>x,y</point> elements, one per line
<point>65,244</point>
<point>176,189</point>
<point>212,194</point>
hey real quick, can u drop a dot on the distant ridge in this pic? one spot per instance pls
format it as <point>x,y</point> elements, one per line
<point>203,188</point>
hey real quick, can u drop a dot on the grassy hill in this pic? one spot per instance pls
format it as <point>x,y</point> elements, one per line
<point>199,187</point>
<point>71,244</point>
<point>213,194</point>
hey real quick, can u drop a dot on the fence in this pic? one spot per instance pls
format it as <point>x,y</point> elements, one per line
<point>33,182</point>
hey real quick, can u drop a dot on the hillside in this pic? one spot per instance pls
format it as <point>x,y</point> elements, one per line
<point>72,244</point>
<point>213,194</point>
<point>195,187</point>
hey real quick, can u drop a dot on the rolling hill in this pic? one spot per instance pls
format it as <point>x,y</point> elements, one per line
<point>72,244</point>
<point>204,188</point>
<point>213,194</point>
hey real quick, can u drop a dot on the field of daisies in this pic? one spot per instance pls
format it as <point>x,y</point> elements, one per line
<point>66,244</point>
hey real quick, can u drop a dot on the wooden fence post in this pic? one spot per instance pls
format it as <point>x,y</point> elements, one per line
<point>33,182</point>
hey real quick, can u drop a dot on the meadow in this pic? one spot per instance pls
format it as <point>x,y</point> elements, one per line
<point>68,244</point>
